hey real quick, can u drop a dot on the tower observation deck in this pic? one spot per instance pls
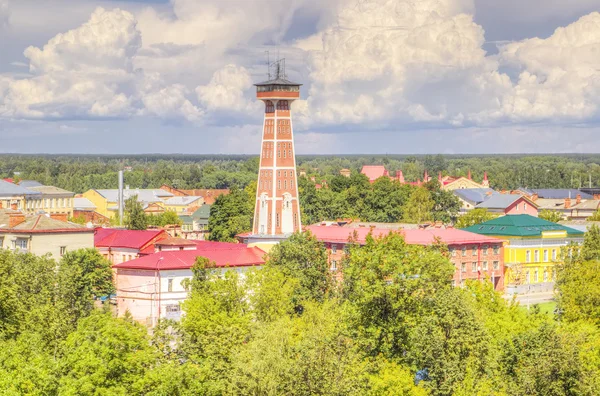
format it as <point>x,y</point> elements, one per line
<point>277,210</point>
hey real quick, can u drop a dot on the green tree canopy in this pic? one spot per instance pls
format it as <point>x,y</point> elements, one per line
<point>419,207</point>
<point>472,217</point>
<point>134,216</point>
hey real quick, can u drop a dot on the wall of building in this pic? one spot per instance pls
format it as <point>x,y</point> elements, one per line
<point>522,207</point>
<point>50,204</point>
<point>117,255</point>
<point>44,243</point>
<point>99,202</point>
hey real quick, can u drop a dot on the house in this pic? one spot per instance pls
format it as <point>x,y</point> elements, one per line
<point>49,200</point>
<point>532,249</point>
<point>448,183</point>
<point>124,245</point>
<point>471,197</point>
<point>474,256</point>
<point>552,193</point>
<point>509,204</point>
<point>374,172</point>
<point>195,226</point>
<point>183,204</point>
<point>106,201</point>
<point>345,172</point>
<point>13,196</point>
<point>570,209</point>
<point>152,287</point>
<point>451,183</point>
<point>42,234</point>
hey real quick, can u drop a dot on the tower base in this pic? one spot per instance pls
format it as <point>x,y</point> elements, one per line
<point>262,241</point>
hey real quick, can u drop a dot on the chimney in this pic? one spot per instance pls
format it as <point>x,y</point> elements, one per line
<point>534,197</point>
<point>425,177</point>
<point>15,219</point>
<point>469,175</point>
<point>440,177</point>
<point>59,216</point>
<point>567,203</point>
<point>485,181</point>
<point>400,176</point>
<point>578,199</point>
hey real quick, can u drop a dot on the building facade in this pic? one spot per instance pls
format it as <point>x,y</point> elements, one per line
<point>49,200</point>
<point>532,249</point>
<point>119,246</point>
<point>474,256</point>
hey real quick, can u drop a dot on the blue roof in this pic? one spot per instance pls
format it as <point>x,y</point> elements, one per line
<point>10,189</point>
<point>30,183</point>
<point>475,195</point>
<point>557,193</point>
<point>499,201</point>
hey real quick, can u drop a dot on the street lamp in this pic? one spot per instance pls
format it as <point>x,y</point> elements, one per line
<point>156,283</point>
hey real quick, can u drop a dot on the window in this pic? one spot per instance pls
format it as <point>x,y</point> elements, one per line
<point>453,252</point>
<point>172,308</point>
<point>333,249</point>
<point>269,108</point>
<point>546,255</point>
<point>464,251</point>
<point>535,275</point>
<point>496,265</point>
<point>528,256</point>
<point>282,105</point>
<point>170,284</point>
<point>278,153</point>
<point>527,277</point>
<point>285,184</point>
<point>63,250</point>
<point>517,207</point>
<point>485,250</point>
<point>536,255</point>
<point>279,184</point>
<point>277,219</point>
<point>295,220</point>
<point>474,266</point>
<point>463,267</point>
<point>524,206</point>
<point>290,153</point>
<point>333,265</point>
<point>545,276</point>
<point>485,266</point>
<point>21,243</point>
<point>284,156</point>
<point>496,249</point>
<point>553,254</point>
<point>474,252</point>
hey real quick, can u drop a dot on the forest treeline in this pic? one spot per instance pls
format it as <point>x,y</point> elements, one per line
<point>80,173</point>
<point>393,325</point>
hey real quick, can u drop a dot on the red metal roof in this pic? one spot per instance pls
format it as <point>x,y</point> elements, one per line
<point>449,236</point>
<point>185,259</point>
<point>374,172</point>
<point>131,239</point>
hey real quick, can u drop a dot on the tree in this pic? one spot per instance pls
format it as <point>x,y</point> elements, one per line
<point>578,290</point>
<point>418,207</point>
<point>303,257</point>
<point>230,215</point>
<point>446,204</point>
<point>550,215</point>
<point>472,217</point>
<point>590,250</point>
<point>135,218</point>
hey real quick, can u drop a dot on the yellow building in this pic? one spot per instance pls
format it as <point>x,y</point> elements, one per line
<point>49,200</point>
<point>106,201</point>
<point>532,249</point>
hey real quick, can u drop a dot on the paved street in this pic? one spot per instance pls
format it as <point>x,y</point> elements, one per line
<point>533,298</point>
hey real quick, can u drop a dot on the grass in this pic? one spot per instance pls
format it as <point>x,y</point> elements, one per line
<point>545,308</point>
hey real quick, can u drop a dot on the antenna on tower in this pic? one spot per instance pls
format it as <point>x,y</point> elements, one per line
<point>268,66</point>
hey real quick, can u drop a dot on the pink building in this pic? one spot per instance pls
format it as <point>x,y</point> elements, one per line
<point>474,256</point>
<point>151,287</point>
<point>123,245</point>
<point>509,204</point>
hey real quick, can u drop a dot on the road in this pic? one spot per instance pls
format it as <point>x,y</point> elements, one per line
<point>533,298</point>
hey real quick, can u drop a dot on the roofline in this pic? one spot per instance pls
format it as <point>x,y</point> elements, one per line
<point>125,265</point>
<point>56,231</point>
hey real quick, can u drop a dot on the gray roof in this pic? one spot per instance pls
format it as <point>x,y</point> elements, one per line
<point>143,195</point>
<point>30,183</point>
<point>186,200</point>
<point>9,190</point>
<point>499,201</point>
<point>557,193</point>
<point>51,190</point>
<point>83,204</point>
<point>474,195</point>
<point>277,81</point>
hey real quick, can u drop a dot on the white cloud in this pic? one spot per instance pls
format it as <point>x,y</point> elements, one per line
<point>171,102</point>
<point>226,89</point>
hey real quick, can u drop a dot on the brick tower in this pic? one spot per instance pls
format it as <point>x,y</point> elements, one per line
<point>277,210</point>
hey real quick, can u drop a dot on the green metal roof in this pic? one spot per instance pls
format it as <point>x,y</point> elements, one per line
<point>203,212</point>
<point>520,226</point>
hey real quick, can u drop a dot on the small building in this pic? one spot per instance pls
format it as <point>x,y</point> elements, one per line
<point>119,246</point>
<point>152,287</point>
<point>475,257</point>
<point>345,172</point>
<point>532,249</point>
<point>49,200</point>
<point>195,226</point>
<point>570,209</point>
<point>374,172</point>
<point>42,234</point>
<point>509,204</point>
<point>84,209</point>
<point>13,196</point>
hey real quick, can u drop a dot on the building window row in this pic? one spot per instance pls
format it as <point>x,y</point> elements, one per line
<point>269,107</point>
<point>269,126</point>
<point>283,105</point>
<point>536,255</point>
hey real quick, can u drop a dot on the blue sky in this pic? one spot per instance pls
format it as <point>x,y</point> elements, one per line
<point>380,76</point>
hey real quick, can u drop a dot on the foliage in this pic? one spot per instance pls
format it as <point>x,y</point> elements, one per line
<point>134,216</point>
<point>230,215</point>
<point>446,205</point>
<point>419,206</point>
<point>472,217</point>
<point>550,215</point>
<point>168,217</point>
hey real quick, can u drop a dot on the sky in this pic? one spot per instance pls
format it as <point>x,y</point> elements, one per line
<point>379,76</point>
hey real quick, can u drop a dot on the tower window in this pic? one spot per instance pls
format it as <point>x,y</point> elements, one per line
<point>290,153</point>
<point>284,154</point>
<point>277,217</point>
<point>282,105</point>
<point>279,184</point>
<point>285,184</point>
<point>278,153</point>
<point>269,108</point>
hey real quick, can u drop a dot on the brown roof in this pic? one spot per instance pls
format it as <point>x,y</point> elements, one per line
<point>42,223</point>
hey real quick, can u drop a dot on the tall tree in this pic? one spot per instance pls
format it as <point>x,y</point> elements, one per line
<point>230,215</point>
<point>419,207</point>
<point>550,215</point>
<point>472,217</point>
<point>134,216</point>
<point>446,204</point>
